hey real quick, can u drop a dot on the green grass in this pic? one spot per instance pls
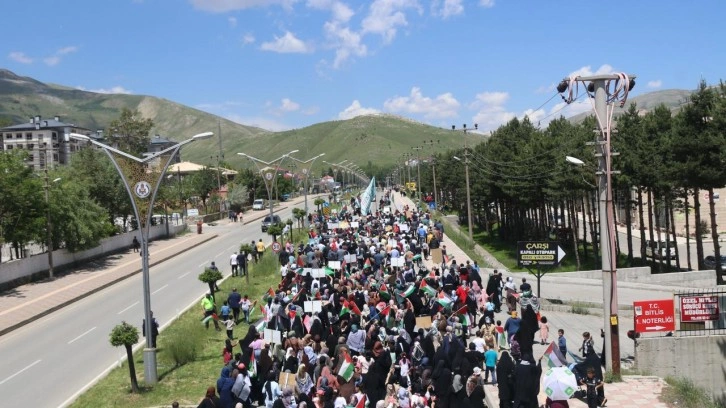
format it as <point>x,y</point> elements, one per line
<point>682,392</point>
<point>185,383</point>
<point>579,308</point>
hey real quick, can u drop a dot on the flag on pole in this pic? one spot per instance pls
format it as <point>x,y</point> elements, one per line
<point>444,300</point>
<point>553,356</point>
<point>260,326</point>
<point>409,290</point>
<point>264,312</point>
<point>347,368</point>
<point>446,259</point>
<point>361,402</point>
<point>426,288</point>
<point>253,366</point>
<point>329,271</point>
<point>354,308</point>
<point>383,292</point>
<point>344,309</point>
<point>308,323</point>
<point>367,263</point>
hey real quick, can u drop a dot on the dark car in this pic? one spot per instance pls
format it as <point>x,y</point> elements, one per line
<point>269,221</point>
<point>285,197</point>
<point>710,262</point>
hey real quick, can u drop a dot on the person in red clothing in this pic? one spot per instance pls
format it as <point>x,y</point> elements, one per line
<point>461,292</point>
<point>556,404</point>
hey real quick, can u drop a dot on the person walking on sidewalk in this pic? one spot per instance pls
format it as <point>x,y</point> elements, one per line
<point>260,249</point>
<point>234,299</point>
<point>234,263</point>
<point>588,345</point>
<point>209,310</point>
<point>154,329</point>
<point>242,263</point>
<point>135,244</point>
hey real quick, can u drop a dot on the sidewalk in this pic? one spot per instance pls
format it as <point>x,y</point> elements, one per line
<point>26,303</point>
<point>634,391</point>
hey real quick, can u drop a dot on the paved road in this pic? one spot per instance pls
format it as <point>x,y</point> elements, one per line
<point>47,362</point>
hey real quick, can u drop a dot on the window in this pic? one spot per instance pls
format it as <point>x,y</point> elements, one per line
<point>10,147</point>
<point>20,146</point>
<point>18,135</point>
<point>8,135</point>
<point>31,146</point>
<point>55,136</point>
<point>31,158</point>
<point>28,136</point>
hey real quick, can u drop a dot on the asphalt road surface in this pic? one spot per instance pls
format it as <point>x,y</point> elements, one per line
<point>48,362</point>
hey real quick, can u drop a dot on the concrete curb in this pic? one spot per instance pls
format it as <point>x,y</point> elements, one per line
<point>94,290</point>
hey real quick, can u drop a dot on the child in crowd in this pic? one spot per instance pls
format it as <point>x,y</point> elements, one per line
<point>229,324</point>
<point>225,311</point>
<point>501,337</point>
<point>592,383</point>
<point>544,330</point>
<point>562,343</point>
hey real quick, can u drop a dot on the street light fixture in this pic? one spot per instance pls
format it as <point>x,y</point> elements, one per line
<point>268,176</point>
<point>134,173</point>
<point>306,167</point>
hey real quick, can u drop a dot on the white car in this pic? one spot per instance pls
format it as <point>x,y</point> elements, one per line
<point>258,204</point>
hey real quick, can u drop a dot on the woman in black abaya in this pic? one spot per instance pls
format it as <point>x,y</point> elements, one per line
<point>505,380</point>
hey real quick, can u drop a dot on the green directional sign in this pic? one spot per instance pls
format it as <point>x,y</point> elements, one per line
<point>539,253</point>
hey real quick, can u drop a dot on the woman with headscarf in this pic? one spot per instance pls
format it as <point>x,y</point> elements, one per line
<point>303,384</point>
<point>374,382</point>
<point>271,390</point>
<point>327,379</point>
<point>474,394</point>
<point>442,384</point>
<point>505,380</point>
<point>290,364</point>
<point>210,400</point>
<point>526,388</point>
<point>458,394</point>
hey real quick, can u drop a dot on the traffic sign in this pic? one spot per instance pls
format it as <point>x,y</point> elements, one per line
<point>276,247</point>
<point>654,316</point>
<point>699,308</point>
<point>542,253</point>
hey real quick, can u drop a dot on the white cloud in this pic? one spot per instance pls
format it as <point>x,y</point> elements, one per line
<point>221,6</point>
<point>288,105</point>
<point>587,71</point>
<point>443,106</point>
<point>286,44</point>
<point>67,50</point>
<point>385,16</point>
<point>486,3</point>
<point>447,8</point>
<point>546,89</point>
<point>355,109</point>
<point>346,42</point>
<point>340,11</point>
<point>52,61</point>
<point>248,39</point>
<point>113,90</point>
<point>20,57</point>
<point>491,98</point>
<point>311,110</point>
<point>655,84</point>
<point>232,21</point>
<point>491,112</point>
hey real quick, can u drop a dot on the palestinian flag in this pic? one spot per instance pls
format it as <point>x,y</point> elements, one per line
<point>252,369</point>
<point>446,259</point>
<point>383,308</point>
<point>409,290</point>
<point>300,271</point>
<point>464,320</point>
<point>553,356</point>
<point>354,308</point>
<point>444,300</point>
<point>361,402</point>
<point>462,311</point>
<point>264,312</point>
<point>344,309</point>
<point>383,292</point>
<point>329,271</point>
<point>367,263</point>
<point>260,326</point>
<point>308,323</point>
<point>347,369</point>
<point>426,288</point>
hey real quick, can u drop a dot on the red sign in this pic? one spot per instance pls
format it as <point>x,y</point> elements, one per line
<point>276,246</point>
<point>699,308</point>
<point>654,316</point>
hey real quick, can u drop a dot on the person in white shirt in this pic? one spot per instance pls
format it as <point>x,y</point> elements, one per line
<point>233,263</point>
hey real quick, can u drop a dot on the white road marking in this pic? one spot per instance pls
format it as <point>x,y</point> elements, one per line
<point>202,264</point>
<point>160,289</point>
<point>220,254</point>
<point>184,275</point>
<point>16,374</point>
<point>88,331</point>
<point>135,303</point>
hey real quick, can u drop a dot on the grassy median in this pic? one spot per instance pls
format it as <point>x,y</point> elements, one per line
<point>189,356</point>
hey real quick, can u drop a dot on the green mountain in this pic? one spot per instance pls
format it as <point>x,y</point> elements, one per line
<point>380,139</point>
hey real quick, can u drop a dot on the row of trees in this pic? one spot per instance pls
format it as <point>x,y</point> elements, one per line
<point>522,187</point>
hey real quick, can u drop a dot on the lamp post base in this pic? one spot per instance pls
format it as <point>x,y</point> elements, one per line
<point>150,375</point>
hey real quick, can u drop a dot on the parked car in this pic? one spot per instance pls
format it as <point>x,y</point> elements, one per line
<point>658,249</point>
<point>275,219</point>
<point>258,204</point>
<point>285,197</point>
<point>710,262</point>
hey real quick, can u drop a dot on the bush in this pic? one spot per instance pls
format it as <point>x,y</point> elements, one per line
<point>183,345</point>
<point>579,308</point>
<point>682,392</point>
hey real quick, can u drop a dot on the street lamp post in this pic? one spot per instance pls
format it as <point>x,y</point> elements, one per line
<point>134,173</point>
<point>305,168</point>
<point>49,223</point>
<point>268,176</point>
<point>466,171</point>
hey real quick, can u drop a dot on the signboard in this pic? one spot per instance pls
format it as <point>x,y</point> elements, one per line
<point>334,265</point>
<point>423,322</point>
<point>312,306</point>
<point>193,212</point>
<point>317,272</point>
<point>539,253</point>
<point>350,259</point>
<point>276,246</point>
<point>403,227</point>
<point>332,225</point>
<point>397,262</point>
<point>354,224</point>
<point>699,308</point>
<point>437,256</point>
<point>273,336</point>
<point>287,381</point>
<point>654,316</point>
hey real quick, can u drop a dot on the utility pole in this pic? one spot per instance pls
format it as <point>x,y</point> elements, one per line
<point>418,173</point>
<point>468,188</point>
<point>605,91</point>
<point>49,225</point>
<point>433,170</point>
<point>219,158</point>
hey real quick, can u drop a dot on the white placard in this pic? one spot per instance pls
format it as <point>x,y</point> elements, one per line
<point>351,258</point>
<point>354,224</point>
<point>332,225</point>
<point>403,227</point>
<point>307,271</point>
<point>397,262</point>
<point>334,265</point>
<point>273,336</point>
<point>312,306</point>
<point>317,272</point>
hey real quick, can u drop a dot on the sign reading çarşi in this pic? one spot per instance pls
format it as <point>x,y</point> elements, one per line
<point>699,308</point>
<point>142,189</point>
<point>542,253</point>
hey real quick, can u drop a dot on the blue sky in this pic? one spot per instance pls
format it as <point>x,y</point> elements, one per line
<point>282,64</point>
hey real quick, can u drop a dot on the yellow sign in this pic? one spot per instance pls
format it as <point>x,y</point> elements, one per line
<point>411,185</point>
